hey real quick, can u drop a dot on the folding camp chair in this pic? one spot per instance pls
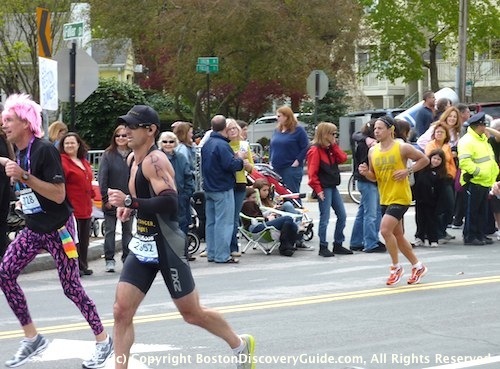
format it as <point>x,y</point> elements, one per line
<point>266,240</point>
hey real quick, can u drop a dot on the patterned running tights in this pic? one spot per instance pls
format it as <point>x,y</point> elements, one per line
<point>21,252</point>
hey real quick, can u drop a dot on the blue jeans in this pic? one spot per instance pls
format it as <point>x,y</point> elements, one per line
<point>276,223</point>
<point>219,213</point>
<point>367,222</point>
<point>292,176</point>
<point>332,200</point>
<point>239,197</point>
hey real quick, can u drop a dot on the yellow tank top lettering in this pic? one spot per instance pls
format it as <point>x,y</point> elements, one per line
<point>384,164</point>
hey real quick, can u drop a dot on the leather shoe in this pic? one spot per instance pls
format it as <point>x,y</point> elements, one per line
<point>474,242</point>
<point>379,248</point>
<point>357,248</point>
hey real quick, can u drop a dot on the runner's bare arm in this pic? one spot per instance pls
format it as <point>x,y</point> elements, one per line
<point>365,169</point>
<point>419,158</point>
<point>159,171</point>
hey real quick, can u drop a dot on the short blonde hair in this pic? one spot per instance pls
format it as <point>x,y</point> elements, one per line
<point>323,130</point>
<point>55,128</point>
<point>167,135</point>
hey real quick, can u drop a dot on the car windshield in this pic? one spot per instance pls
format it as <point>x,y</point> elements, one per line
<point>493,110</point>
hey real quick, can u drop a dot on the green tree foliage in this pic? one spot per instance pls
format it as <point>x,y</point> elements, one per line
<point>258,42</point>
<point>411,34</point>
<point>96,116</point>
<point>19,43</point>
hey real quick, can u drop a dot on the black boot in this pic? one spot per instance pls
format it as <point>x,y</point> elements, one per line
<point>323,251</point>
<point>338,249</point>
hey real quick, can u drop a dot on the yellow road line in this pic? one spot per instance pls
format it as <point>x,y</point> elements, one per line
<point>307,300</point>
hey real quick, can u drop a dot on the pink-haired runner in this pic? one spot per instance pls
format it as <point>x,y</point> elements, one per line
<point>38,176</point>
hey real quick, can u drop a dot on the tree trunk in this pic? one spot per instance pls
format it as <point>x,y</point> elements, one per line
<point>433,65</point>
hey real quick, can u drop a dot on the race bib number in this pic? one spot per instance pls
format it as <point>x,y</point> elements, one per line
<point>144,249</point>
<point>29,201</point>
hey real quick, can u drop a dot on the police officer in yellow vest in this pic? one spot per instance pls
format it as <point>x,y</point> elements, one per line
<point>479,173</point>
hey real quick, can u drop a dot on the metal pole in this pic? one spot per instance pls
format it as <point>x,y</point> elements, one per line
<point>462,50</point>
<point>316,99</point>
<point>72,85</point>
<point>208,97</point>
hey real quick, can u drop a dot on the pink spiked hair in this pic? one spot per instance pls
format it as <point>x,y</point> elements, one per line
<point>25,109</point>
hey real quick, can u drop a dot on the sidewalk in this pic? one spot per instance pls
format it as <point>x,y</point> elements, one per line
<point>44,261</point>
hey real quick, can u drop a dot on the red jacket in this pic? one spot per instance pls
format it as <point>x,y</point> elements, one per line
<point>79,190</point>
<point>315,156</point>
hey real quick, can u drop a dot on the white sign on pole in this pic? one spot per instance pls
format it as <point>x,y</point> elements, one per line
<point>87,75</point>
<point>48,83</point>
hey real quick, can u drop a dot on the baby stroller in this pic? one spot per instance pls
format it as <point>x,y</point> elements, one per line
<point>15,220</point>
<point>97,213</point>
<point>278,189</point>
<point>193,238</point>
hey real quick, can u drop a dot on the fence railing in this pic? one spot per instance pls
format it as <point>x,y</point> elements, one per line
<point>94,158</point>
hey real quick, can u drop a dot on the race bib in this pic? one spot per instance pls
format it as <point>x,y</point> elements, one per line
<point>29,201</point>
<point>144,248</point>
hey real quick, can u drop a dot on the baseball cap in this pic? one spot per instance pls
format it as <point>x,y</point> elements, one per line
<point>140,116</point>
<point>478,118</point>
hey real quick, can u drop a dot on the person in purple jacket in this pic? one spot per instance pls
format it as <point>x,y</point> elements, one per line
<point>288,149</point>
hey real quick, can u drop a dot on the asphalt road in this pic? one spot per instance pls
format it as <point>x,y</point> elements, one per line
<point>306,312</point>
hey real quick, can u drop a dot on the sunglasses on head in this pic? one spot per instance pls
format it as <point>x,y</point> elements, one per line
<point>122,136</point>
<point>168,141</point>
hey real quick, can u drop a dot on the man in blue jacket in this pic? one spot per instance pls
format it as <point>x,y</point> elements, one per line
<point>218,166</point>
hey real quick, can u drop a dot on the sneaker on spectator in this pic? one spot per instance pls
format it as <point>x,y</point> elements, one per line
<point>245,357</point>
<point>417,274</point>
<point>203,254</point>
<point>103,350</point>
<point>110,266</point>
<point>418,242</point>
<point>433,244</point>
<point>449,237</point>
<point>395,276</point>
<point>27,349</point>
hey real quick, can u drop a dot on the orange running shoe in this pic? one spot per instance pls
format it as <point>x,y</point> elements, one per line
<point>395,276</point>
<point>417,274</point>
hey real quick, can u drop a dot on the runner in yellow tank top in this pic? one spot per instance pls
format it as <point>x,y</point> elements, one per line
<point>387,167</point>
<point>385,163</point>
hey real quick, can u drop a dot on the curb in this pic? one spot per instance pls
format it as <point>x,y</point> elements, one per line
<point>44,260</point>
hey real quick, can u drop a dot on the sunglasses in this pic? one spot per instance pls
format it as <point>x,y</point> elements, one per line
<point>122,136</point>
<point>335,134</point>
<point>135,126</point>
<point>168,141</point>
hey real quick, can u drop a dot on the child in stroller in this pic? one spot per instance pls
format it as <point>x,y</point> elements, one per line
<point>274,194</point>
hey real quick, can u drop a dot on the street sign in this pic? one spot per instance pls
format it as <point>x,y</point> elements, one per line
<point>44,33</point>
<point>207,65</point>
<point>72,30</point>
<point>204,68</point>
<point>87,75</point>
<point>317,84</point>
<point>468,88</point>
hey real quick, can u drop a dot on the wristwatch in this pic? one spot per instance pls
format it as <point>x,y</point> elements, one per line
<point>25,176</point>
<point>128,201</point>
